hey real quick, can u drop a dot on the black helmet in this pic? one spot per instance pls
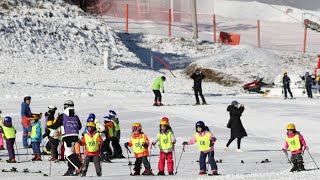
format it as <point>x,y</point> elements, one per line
<point>26,98</point>
<point>164,78</point>
<point>234,103</point>
<point>68,103</point>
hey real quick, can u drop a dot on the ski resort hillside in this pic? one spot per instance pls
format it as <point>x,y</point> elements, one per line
<point>53,56</point>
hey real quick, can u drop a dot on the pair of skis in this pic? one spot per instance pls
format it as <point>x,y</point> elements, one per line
<point>26,170</point>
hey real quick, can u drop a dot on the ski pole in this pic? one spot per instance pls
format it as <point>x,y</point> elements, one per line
<point>285,152</point>
<point>27,153</point>
<point>179,160</point>
<point>174,154</point>
<point>150,155</point>
<point>312,159</point>
<point>128,151</point>
<point>50,166</point>
<point>17,151</point>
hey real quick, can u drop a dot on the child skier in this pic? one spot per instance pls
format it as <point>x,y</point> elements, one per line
<point>1,138</point>
<point>295,142</point>
<point>92,142</point>
<point>140,143</point>
<point>205,141</point>
<point>9,134</point>
<point>109,134</point>
<point>115,141</point>
<point>166,141</point>
<point>36,136</point>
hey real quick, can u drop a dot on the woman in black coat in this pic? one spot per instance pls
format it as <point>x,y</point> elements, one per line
<point>237,129</point>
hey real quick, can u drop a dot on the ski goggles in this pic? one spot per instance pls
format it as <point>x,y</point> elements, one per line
<point>136,128</point>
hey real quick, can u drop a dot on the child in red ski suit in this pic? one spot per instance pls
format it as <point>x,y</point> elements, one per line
<point>166,141</point>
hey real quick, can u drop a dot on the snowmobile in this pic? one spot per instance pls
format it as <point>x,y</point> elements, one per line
<point>255,86</point>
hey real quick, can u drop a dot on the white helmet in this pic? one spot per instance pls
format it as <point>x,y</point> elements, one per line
<point>68,103</point>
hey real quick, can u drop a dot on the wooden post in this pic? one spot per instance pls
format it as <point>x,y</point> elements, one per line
<point>258,33</point>
<point>305,40</point>
<point>214,29</point>
<point>127,17</point>
<point>194,20</point>
<point>101,9</point>
<point>169,22</point>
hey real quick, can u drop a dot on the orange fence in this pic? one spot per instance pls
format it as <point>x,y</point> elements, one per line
<point>164,18</point>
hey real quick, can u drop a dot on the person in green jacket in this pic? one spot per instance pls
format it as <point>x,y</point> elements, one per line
<point>157,85</point>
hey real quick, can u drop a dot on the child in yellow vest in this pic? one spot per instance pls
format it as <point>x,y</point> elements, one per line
<point>205,141</point>
<point>166,141</point>
<point>295,142</point>
<point>92,142</point>
<point>9,134</point>
<point>140,143</point>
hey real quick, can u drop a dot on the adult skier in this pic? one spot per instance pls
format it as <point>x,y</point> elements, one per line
<point>25,115</point>
<point>286,85</point>
<point>308,84</point>
<point>197,77</point>
<point>70,125</point>
<point>157,85</point>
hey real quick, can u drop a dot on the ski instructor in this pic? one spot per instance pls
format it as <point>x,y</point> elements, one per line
<point>197,77</point>
<point>157,85</point>
<point>70,125</point>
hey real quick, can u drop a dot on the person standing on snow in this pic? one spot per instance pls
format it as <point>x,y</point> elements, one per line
<point>237,129</point>
<point>205,141</point>
<point>295,142</point>
<point>286,85</point>
<point>157,85</point>
<point>308,84</point>
<point>70,125</point>
<point>25,115</point>
<point>197,77</point>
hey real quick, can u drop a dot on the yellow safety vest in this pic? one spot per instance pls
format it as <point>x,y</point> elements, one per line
<point>294,143</point>
<point>34,131</point>
<point>137,144</point>
<point>116,126</point>
<point>57,135</point>
<point>92,144</point>
<point>110,131</point>
<point>9,132</point>
<point>165,141</point>
<point>203,142</point>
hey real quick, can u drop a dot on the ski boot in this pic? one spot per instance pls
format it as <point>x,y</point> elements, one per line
<point>99,174</point>
<point>11,161</point>
<point>196,104</point>
<point>204,103</point>
<point>301,167</point>
<point>159,103</point>
<point>294,168</point>
<point>79,170</point>
<point>69,173</point>
<point>34,157</point>
<point>38,157</point>
<point>121,157</point>
<point>171,173</point>
<point>160,173</point>
<point>147,172</point>
<point>226,148</point>
<point>214,173</point>
<point>83,174</point>
<point>2,148</point>
<point>202,173</point>
<point>155,103</point>
<point>136,173</point>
